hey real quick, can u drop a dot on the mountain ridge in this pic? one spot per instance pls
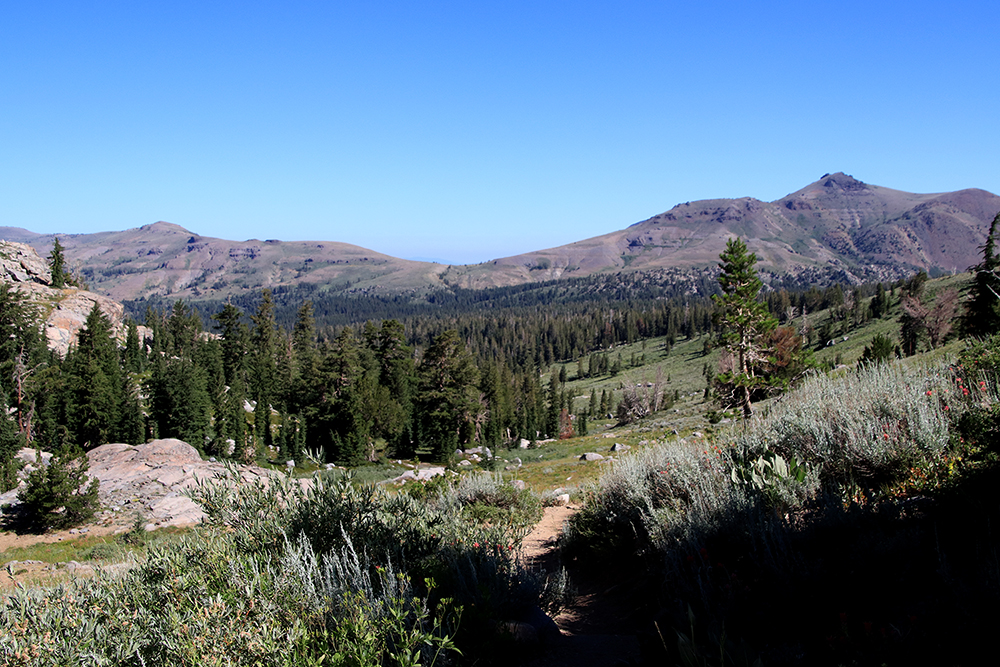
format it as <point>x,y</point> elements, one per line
<point>837,225</point>
<point>836,228</point>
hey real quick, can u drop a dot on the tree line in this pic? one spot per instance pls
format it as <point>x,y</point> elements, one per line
<point>426,383</point>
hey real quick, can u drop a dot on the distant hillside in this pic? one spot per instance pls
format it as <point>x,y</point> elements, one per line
<point>836,229</point>
<point>163,259</point>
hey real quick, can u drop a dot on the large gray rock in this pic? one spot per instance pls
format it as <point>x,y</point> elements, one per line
<point>20,263</point>
<point>154,476</point>
<point>420,475</point>
<point>149,479</point>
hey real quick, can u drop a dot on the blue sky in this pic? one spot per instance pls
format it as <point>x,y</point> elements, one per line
<point>466,131</point>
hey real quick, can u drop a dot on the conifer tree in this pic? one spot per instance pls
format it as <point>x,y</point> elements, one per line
<point>60,494</point>
<point>134,358</point>
<point>179,404</point>
<point>235,337</point>
<point>264,370</point>
<point>23,355</point>
<point>744,320</point>
<point>554,407</point>
<point>498,393</point>
<point>184,328</point>
<point>338,421</point>
<point>879,305</point>
<point>530,406</point>
<point>57,265</point>
<point>231,420</point>
<point>447,394</point>
<point>11,441</point>
<point>132,429</point>
<point>232,424</point>
<point>305,358</point>
<point>95,385</point>
<point>396,377</point>
<point>982,305</point>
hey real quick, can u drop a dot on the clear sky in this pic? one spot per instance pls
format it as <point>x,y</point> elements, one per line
<point>466,131</point>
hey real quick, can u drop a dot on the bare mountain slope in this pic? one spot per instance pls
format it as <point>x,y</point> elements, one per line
<point>163,259</point>
<point>837,228</point>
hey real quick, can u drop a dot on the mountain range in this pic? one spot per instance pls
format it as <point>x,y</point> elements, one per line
<point>835,229</point>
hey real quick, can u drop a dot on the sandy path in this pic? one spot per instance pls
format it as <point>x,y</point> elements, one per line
<point>595,629</point>
<point>541,541</point>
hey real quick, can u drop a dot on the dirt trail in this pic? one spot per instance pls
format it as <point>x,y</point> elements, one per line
<point>596,629</point>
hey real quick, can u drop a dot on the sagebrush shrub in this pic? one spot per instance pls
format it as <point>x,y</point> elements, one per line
<point>866,427</point>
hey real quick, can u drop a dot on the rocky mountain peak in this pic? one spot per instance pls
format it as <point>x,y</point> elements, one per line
<point>841,181</point>
<point>163,227</point>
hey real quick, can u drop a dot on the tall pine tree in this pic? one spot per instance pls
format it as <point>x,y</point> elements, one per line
<point>263,367</point>
<point>743,319</point>
<point>982,305</point>
<point>95,385</point>
<point>57,265</point>
<point>447,394</point>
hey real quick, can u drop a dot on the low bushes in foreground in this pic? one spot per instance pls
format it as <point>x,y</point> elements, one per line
<point>287,573</point>
<point>850,524</point>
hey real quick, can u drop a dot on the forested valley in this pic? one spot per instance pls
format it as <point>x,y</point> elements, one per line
<point>247,383</point>
<point>709,522</point>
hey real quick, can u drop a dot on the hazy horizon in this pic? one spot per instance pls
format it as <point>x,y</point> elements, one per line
<point>468,132</point>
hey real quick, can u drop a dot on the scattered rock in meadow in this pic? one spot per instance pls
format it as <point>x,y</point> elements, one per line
<point>421,475</point>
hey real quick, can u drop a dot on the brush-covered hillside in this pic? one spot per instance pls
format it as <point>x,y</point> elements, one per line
<point>847,523</point>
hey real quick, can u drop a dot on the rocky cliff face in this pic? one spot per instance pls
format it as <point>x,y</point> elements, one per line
<point>65,310</point>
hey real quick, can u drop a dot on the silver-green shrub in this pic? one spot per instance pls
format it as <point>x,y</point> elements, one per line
<point>487,497</point>
<point>866,426</point>
<point>663,497</point>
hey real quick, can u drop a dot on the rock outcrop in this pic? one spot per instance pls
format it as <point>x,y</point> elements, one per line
<point>20,263</point>
<point>63,310</point>
<point>152,478</point>
<point>147,480</point>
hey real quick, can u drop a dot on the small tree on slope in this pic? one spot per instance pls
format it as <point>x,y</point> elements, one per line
<point>60,494</point>
<point>982,308</point>
<point>744,321</point>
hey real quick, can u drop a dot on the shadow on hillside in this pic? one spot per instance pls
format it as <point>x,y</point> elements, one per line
<point>16,519</point>
<point>911,581</point>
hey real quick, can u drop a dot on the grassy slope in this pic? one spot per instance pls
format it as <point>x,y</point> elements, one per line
<point>557,464</point>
